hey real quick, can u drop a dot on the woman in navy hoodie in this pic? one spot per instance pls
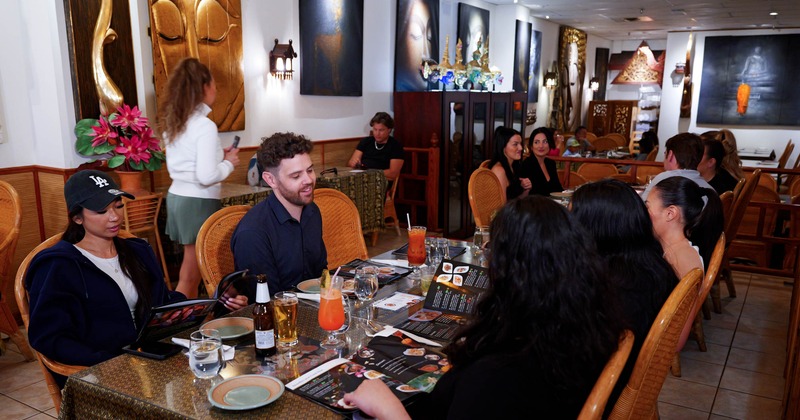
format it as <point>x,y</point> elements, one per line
<point>92,291</point>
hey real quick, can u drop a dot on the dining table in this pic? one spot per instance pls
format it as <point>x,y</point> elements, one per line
<point>133,386</point>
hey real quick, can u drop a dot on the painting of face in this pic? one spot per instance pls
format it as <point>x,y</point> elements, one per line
<point>522,56</point>
<point>211,31</point>
<point>535,60</point>
<point>473,26</point>
<point>417,40</point>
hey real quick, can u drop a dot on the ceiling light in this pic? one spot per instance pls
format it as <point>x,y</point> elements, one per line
<point>773,13</point>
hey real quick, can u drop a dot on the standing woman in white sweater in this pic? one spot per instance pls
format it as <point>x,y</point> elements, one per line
<point>195,160</point>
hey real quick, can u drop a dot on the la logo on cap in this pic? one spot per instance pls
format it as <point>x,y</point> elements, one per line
<point>100,182</point>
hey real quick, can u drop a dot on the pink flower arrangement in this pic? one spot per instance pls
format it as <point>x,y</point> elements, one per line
<point>123,138</point>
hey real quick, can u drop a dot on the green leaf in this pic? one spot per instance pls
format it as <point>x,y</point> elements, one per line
<point>116,161</point>
<point>136,166</point>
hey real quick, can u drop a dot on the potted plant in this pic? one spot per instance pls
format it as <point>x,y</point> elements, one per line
<point>124,139</point>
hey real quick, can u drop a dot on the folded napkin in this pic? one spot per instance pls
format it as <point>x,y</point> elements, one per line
<point>389,330</point>
<point>227,351</point>
<point>308,296</point>
<point>398,263</point>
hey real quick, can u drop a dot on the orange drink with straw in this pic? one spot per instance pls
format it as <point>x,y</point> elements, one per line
<point>416,245</point>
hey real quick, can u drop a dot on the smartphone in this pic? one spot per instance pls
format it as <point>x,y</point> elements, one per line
<point>235,142</point>
<point>153,350</point>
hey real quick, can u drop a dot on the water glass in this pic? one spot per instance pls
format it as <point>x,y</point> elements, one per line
<point>427,279</point>
<point>480,239</point>
<point>444,248</point>
<point>366,283</point>
<point>205,353</point>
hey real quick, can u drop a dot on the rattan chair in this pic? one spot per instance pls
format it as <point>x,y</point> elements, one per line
<point>639,398</point>
<point>618,139</point>
<point>213,245</point>
<point>742,196</point>
<point>486,196</point>
<point>596,171</point>
<point>598,398</point>
<point>651,157</point>
<point>694,324</point>
<point>575,180</point>
<point>141,219</point>
<point>605,143</point>
<point>341,227</point>
<point>10,221</point>
<point>21,293</point>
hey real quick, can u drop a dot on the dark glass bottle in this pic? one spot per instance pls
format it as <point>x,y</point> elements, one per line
<point>262,318</point>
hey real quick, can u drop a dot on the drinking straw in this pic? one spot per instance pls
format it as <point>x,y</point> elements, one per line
<point>337,271</point>
<point>408,218</point>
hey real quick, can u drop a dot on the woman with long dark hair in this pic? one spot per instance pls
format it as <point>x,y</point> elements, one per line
<point>542,333</point>
<point>687,220</point>
<point>506,160</point>
<point>195,160</point>
<point>540,169</point>
<point>92,291</point>
<point>617,219</point>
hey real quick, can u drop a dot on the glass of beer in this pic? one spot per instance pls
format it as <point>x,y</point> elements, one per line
<point>416,245</point>
<point>285,310</point>
<point>331,312</point>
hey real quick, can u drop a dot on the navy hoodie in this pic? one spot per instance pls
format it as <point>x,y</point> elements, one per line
<point>78,314</point>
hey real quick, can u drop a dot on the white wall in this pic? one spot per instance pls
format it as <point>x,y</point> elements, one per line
<point>670,124</point>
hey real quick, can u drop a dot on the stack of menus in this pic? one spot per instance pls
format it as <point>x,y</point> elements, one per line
<point>454,293</point>
<point>404,365</point>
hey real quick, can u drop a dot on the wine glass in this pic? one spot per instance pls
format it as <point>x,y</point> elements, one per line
<point>366,286</point>
<point>331,312</point>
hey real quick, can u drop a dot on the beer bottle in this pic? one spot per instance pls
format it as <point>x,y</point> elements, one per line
<point>263,320</point>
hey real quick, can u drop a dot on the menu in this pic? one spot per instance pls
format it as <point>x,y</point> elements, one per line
<point>404,365</point>
<point>456,290</point>
<point>386,273</point>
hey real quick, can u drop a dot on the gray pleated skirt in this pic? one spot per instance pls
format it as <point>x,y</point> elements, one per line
<point>185,215</point>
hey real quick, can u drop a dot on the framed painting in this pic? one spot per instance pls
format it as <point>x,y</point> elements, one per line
<point>117,55</point>
<point>522,56</point>
<point>473,27</point>
<point>535,60</point>
<point>211,32</point>
<point>331,47</point>
<point>748,80</point>
<point>416,41</point>
<point>572,68</point>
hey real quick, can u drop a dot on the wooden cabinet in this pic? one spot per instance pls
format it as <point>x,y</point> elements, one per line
<point>464,122</point>
<point>606,117</point>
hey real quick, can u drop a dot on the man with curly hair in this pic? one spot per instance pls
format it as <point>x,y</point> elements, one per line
<point>282,236</point>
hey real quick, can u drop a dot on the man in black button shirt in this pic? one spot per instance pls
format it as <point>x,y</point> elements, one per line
<point>711,169</point>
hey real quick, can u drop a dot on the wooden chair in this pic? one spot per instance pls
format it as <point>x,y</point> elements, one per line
<point>766,180</point>
<point>597,171</point>
<point>486,196</point>
<point>742,196</point>
<point>341,227</point>
<point>141,218</point>
<point>598,398</point>
<point>651,157</point>
<point>794,187</point>
<point>213,246</point>
<point>726,199</point>
<point>694,323</point>
<point>642,172</point>
<point>603,144</point>
<point>589,136</point>
<point>618,139</point>
<point>10,221</point>
<point>790,180</point>
<point>21,293</point>
<point>756,250</point>
<point>787,152</point>
<point>389,211</point>
<point>639,398</point>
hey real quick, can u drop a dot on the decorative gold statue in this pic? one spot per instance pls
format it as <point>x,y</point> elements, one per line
<point>476,55</point>
<point>459,65</point>
<point>485,58</point>
<point>445,64</point>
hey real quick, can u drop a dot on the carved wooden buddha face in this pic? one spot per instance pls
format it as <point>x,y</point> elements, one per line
<point>211,31</point>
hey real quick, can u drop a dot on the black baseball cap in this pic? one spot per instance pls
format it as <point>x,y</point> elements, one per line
<point>93,190</point>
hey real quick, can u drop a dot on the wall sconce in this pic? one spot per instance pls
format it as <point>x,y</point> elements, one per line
<point>594,84</point>
<point>280,60</point>
<point>677,74</point>
<point>550,80</point>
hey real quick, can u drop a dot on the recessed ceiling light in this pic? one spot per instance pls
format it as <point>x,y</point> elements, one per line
<point>547,17</point>
<point>773,13</point>
<point>516,1</point>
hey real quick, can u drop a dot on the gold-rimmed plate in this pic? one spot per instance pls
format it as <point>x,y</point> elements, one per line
<point>245,392</point>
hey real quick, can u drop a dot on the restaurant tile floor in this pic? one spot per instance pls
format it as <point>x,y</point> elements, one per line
<point>740,376</point>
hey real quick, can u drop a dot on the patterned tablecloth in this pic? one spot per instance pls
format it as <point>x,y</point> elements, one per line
<point>243,194</point>
<point>366,188</point>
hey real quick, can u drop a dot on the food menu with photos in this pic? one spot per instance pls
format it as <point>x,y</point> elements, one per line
<point>404,365</point>
<point>456,290</point>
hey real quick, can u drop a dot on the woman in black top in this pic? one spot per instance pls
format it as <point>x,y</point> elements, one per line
<point>541,334</point>
<point>505,162</point>
<point>540,169</point>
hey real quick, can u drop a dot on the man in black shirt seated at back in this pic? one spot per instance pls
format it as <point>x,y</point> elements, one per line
<point>711,169</point>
